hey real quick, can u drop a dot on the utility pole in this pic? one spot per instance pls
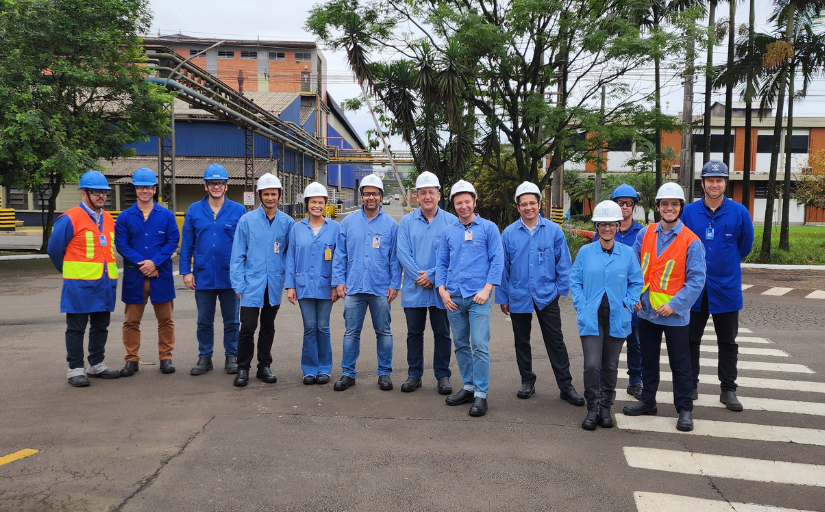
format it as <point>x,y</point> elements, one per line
<point>686,159</point>
<point>600,167</point>
<point>557,190</point>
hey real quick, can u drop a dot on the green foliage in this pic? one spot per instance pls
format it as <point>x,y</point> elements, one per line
<point>808,247</point>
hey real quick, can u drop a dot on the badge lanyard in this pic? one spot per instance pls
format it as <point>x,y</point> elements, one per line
<point>709,232</point>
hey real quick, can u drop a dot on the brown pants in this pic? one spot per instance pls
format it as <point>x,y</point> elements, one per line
<point>166,327</point>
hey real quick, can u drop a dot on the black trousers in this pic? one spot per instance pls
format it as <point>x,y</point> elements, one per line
<point>678,354</point>
<point>726,326</point>
<point>246,338</point>
<point>550,323</point>
<point>98,334</point>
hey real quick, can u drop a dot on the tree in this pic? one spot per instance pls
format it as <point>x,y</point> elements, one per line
<point>748,94</point>
<point>729,86</point>
<point>72,90</point>
<point>709,78</point>
<point>810,189</point>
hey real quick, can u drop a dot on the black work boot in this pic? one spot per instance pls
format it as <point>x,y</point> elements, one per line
<point>204,365</point>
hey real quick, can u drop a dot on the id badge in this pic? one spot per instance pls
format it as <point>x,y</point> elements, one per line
<point>103,240</point>
<point>376,242</point>
<point>709,233</point>
<point>468,236</point>
<point>327,254</point>
<point>541,256</point>
<point>277,247</point>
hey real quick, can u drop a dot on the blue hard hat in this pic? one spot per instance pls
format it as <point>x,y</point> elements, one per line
<point>715,168</point>
<point>215,172</point>
<point>94,180</point>
<point>144,177</point>
<point>625,190</point>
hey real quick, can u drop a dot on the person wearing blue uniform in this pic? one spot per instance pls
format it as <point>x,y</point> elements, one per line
<point>256,271</point>
<point>147,236</point>
<point>82,249</point>
<point>726,230</point>
<point>536,272</point>
<point>627,198</point>
<point>208,230</point>
<point>469,265</point>
<point>605,282</point>
<point>309,282</point>
<point>418,237</point>
<point>673,266</point>
<point>366,271</point>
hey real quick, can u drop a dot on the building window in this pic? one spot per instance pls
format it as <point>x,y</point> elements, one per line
<point>249,54</point>
<point>306,81</point>
<point>192,53</point>
<point>226,54</point>
<point>277,55</point>
<point>764,143</point>
<point>303,56</point>
<point>717,143</point>
<point>18,199</point>
<point>799,144</point>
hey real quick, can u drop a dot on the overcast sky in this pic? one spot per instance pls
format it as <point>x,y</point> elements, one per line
<point>283,20</point>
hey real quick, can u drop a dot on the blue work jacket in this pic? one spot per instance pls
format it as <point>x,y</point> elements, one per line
<point>259,257</point>
<point>694,277</point>
<point>307,269</point>
<point>366,259</point>
<point>156,239</point>
<point>628,238</point>
<point>417,246</point>
<point>209,239</point>
<point>732,241</point>
<point>595,273</point>
<point>536,267</point>
<point>79,296</point>
<point>466,263</point>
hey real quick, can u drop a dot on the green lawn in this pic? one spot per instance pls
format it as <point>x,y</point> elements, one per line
<point>807,246</point>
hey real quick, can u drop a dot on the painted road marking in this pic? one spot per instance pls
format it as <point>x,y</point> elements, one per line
<point>748,365</point>
<point>725,429</point>
<point>658,502</point>
<point>740,339</point>
<point>22,454</point>
<point>741,329</point>
<point>772,352</point>
<point>703,464</point>
<point>777,291</point>
<point>816,294</point>
<point>746,286</point>
<point>749,403</point>
<point>753,382</point>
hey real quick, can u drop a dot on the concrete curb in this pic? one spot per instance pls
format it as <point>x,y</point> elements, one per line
<point>24,257</point>
<point>783,267</point>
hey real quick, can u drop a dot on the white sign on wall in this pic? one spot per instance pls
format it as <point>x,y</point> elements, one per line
<point>249,198</point>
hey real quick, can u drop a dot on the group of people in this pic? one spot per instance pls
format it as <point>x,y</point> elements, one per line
<point>665,278</point>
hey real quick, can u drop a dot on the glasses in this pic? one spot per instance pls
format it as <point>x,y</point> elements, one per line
<point>216,184</point>
<point>670,204</point>
<point>98,193</point>
<point>144,187</point>
<point>621,202</point>
<point>611,226</point>
<point>531,204</point>
<point>370,194</point>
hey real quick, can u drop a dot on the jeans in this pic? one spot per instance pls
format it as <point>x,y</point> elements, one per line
<point>205,300</point>
<point>550,323</point>
<point>416,321</point>
<point>726,326</point>
<point>678,353</point>
<point>601,357</point>
<point>246,337</point>
<point>470,324</point>
<point>355,309</point>
<point>634,357</point>
<point>98,333</point>
<point>316,354</point>
<point>133,314</point>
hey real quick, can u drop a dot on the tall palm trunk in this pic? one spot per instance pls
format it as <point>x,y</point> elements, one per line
<point>746,167</point>
<point>730,85</point>
<point>709,78</point>
<point>784,231</point>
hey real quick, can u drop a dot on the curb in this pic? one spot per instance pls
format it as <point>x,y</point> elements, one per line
<point>783,267</point>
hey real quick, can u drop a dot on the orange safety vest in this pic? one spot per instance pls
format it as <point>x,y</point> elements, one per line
<point>85,256</point>
<point>664,274</point>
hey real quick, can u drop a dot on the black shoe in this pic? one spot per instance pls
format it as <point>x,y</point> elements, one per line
<point>605,421</point>
<point>203,365</point>
<point>105,374</point>
<point>345,383</point>
<point>527,390</point>
<point>479,407</point>
<point>444,387</point>
<point>322,379</point>
<point>231,365</point>
<point>592,420</point>
<point>695,394</point>
<point>462,397</point>
<point>166,366</point>
<point>265,375</point>
<point>384,383</point>
<point>639,408</point>
<point>731,402</point>
<point>242,378</point>
<point>572,397</point>
<point>685,423</point>
<point>410,385</point>
<point>79,381</point>
<point>635,391</point>
<point>309,380</point>
<point>131,368</point>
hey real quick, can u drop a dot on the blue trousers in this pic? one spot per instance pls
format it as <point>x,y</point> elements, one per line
<point>316,354</point>
<point>634,357</point>
<point>355,310</point>
<point>416,321</point>
<point>678,353</point>
<point>470,324</point>
<point>205,300</point>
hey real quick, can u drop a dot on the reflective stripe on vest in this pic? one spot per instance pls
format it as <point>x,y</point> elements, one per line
<point>664,275</point>
<point>85,257</point>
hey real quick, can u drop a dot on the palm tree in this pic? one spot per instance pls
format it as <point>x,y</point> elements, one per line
<point>749,93</point>
<point>709,78</point>
<point>730,85</point>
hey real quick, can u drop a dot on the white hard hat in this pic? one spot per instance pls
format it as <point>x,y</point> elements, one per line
<point>372,181</point>
<point>527,188</point>
<point>670,191</point>
<point>607,211</point>
<point>462,186</point>
<point>269,181</point>
<point>427,179</point>
<point>315,189</point>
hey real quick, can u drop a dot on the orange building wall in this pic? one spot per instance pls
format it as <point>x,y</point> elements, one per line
<point>817,140</point>
<point>285,75</point>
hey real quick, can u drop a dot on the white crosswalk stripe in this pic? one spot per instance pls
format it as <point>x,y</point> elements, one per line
<point>749,403</point>
<point>777,291</point>
<point>771,352</point>
<point>752,382</point>
<point>747,365</point>
<point>709,328</point>
<point>739,339</point>
<point>658,502</point>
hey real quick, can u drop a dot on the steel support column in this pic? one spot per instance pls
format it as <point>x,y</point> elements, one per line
<point>166,162</point>
<point>248,161</point>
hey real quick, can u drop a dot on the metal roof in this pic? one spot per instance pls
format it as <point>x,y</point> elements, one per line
<point>273,102</point>
<point>188,170</point>
<point>178,39</point>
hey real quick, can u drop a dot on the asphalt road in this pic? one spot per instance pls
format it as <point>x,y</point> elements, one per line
<point>178,442</point>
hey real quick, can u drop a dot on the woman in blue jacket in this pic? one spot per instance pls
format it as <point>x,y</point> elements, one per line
<point>606,282</point>
<point>309,282</point>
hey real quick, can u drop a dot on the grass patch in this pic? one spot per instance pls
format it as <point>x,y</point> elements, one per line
<point>807,246</point>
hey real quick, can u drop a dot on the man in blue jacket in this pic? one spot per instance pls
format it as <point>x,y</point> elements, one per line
<point>208,231</point>
<point>256,271</point>
<point>147,236</point>
<point>536,272</point>
<point>418,238</point>
<point>366,271</point>
<point>726,230</point>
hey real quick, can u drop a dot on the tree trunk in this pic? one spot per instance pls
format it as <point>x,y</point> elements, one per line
<point>784,230</point>
<point>746,167</point>
<point>56,183</point>
<point>730,85</point>
<point>709,78</point>
<point>657,141</point>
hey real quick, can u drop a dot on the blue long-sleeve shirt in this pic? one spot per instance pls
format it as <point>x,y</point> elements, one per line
<point>694,277</point>
<point>731,241</point>
<point>536,266</point>
<point>366,259</point>
<point>418,241</point>
<point>469,257</point>
<point>307,268</point>
<point>628,238</point>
